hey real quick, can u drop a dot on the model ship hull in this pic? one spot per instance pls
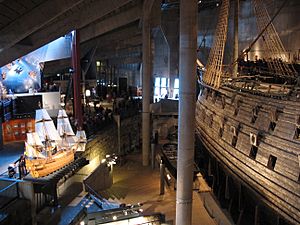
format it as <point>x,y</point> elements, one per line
<point>43,167</point>
<point>267,163</point>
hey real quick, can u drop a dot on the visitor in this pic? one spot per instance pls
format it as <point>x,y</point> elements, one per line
<point>22,166</point>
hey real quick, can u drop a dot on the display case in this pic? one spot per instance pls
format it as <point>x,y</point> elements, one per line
<point>15,130</point>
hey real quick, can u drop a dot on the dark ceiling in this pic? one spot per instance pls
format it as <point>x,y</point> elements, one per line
<point>109,29</point>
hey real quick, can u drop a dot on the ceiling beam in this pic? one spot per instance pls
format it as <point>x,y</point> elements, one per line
<point>112,37</point>
<point>34,20</point>
<point>120,33</point>
<point>77,18</point>
<point>113,45</point>
<point>96,29</point>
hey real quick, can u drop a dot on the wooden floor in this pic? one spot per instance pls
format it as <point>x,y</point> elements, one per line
<point>134,183</point>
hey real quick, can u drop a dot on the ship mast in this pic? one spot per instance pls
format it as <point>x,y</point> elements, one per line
<point>46,130</point>
<point>47,140</point>
<point>236,38</point>
<point>274,50</point>
<point>214,67</point>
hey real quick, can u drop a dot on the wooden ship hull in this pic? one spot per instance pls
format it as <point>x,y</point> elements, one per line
<point>43,167</point>
<point>255,139</point>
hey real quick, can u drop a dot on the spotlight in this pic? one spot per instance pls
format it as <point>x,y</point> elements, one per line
<point>168,176</point>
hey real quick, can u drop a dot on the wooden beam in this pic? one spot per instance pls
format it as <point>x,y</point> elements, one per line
<point>112,38</point>
<point>96,29</point>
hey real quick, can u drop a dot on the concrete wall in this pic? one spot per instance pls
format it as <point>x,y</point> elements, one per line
<point>105,142</point>
<point>161,55</point>
<point>92,181</point>
<point>100,177</point>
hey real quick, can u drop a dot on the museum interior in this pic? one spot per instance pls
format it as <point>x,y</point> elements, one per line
<point>150,112</point>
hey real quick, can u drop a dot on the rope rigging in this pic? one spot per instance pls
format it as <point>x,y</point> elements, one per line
<point>275,53</point>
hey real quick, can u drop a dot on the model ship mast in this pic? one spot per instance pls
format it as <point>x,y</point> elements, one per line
<point>81,140</point>
<point>33,145</point>
<point>65,130</point>
<point>46,130</point>
<point>59,145</point>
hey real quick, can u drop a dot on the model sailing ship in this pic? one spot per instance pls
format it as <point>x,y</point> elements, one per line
<point>49,149</point>
<point>250,126</point>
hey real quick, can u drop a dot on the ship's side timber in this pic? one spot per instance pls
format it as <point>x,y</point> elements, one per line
<point>273,171</point>
<point>43,167</point>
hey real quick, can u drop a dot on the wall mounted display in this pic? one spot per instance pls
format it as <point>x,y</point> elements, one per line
<point>24,73</point>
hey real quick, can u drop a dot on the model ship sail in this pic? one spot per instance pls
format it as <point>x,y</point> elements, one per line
<point>33,139</point>
<point>65,130</point>
<point>44,126</point>
<point>81,140</point>
<point>33,146</point>
<point>47,141</point>
<point>32,152</point>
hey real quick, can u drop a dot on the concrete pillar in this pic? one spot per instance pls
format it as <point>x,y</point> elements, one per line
<point>236,38</point>
<point>76,78</point>
<point>146,87</point>
<point>186,121</point>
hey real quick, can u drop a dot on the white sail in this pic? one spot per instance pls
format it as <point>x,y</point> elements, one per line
<point>80,134</point>
<point>44,126</point>
<point>41,114</point>
<point>47,131</point>
<point>63,124</point>
<point>80,147</point>
<point>68,141</point>
<point>33,139</point>
<point>31,152</point>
